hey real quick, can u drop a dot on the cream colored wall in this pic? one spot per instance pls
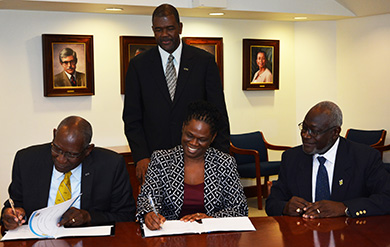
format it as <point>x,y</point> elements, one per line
<point>28,117</point>
<point>363,73</point>
<point>315,66</point>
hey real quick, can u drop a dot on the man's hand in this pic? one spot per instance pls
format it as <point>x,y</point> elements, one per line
<point>324,209</point>
<point>295,206</point>
<point>141,168</point>
<point>194,217</point>
<point>153,221</point>
<point>75,217</point>
<point>12,221</point>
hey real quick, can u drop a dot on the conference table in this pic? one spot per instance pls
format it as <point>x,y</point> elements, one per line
<point>270,231</point>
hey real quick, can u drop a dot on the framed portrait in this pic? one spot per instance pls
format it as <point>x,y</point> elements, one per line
<point>211,45</point>
<point>131,46</point>
<point>260,64</point>
<point>68,65</point>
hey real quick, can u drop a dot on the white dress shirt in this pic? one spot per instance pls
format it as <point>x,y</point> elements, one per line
<point>330,157</point>
<point>75,184</point>
<point>176,54</point>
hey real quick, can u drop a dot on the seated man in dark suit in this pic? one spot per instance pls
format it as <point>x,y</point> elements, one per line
<point>329,176</point>
<point>71,163</point>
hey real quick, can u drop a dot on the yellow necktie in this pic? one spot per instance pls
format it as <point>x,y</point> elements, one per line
<point>64,190</point>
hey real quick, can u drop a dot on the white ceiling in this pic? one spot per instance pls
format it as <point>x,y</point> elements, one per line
<point>280,10</point>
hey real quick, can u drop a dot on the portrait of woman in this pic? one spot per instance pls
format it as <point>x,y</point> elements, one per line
<point>192,181</point>
<point>263,73</point>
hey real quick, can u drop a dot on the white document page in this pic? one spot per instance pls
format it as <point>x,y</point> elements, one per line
<point>24,232</point>
<point>43,222</point>
<point>175,227</point>
<point>228,224</point>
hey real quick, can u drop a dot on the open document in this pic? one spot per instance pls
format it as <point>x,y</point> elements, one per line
<point>174,227</point>
<point>43,224</point>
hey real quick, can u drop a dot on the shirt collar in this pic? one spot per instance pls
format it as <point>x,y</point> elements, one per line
<point>69,75</point>
<point>176,54</point>
<point>330,155</point>
<point>76,172</point>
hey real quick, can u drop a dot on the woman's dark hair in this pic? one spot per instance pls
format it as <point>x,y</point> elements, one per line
<point>205,112</point>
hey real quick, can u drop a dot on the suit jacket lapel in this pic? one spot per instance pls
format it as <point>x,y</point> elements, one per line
<point>86,181</point>
<point>185,67</point>
<point>46,173</point>
<point>305,171</point>
<point>157,72</point>
<point>342,171</point>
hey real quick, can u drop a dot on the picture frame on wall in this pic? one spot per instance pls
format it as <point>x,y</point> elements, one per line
<point>131,46</point>
<point>211,45</point>
<point>68,65</point>
<point>260,64</point>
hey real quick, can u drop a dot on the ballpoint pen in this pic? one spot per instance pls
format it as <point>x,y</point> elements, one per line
<point>152,204</point>
<point>153,207</point>
<point>11,202</point>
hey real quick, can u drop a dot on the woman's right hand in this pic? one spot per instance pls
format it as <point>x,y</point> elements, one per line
<point>153,221</point>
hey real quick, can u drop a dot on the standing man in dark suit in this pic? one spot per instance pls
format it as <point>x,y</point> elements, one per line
<point>69,77</point>
<point>329,176</point>
<point>154,107</point>
<point>99,174</point>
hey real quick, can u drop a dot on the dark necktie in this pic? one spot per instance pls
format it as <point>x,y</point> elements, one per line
<point>73,81</point>
<point>322,184</point>
<point>170,76</point>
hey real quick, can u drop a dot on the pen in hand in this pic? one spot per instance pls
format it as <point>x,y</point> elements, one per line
<point>11,202</point>
<point>153,206</point>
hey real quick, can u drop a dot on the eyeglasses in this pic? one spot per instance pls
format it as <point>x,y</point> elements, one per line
<point>72,62</point>
<point>57,150</point>
<point>313,133</point>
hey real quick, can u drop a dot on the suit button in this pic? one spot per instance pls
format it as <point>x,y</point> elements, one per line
<point>357,213</point>
<point>364,212</point>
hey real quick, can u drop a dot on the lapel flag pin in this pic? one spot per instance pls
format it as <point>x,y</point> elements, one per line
<point>341,182</point>
<point>186,69</point>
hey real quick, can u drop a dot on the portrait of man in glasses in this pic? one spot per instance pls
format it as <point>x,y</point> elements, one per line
<point>69,77</point>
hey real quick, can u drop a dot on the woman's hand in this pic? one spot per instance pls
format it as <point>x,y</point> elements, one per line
<point>195,217</point>
<point>153,221</point>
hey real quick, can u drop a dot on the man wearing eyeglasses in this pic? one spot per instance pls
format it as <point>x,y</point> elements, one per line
<point>69,77</point>
<point>99,174</point>
<point>329,176</point>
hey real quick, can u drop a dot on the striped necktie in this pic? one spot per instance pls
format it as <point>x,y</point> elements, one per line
<point>170,76</point>
<point>64,192</point>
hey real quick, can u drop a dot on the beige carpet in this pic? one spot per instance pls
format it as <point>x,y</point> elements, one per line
<point>252,206</point>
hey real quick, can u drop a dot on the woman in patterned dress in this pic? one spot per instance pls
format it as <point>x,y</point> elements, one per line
<point>192,181</point>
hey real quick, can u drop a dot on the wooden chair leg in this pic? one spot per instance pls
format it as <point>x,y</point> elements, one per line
<point>269,185</point>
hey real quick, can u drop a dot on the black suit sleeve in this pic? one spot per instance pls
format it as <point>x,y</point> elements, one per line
<point>111,197</point>
<point>375,197</point>
<point>133,115</point>
<point>280,193</point>
<point>214,94</point>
